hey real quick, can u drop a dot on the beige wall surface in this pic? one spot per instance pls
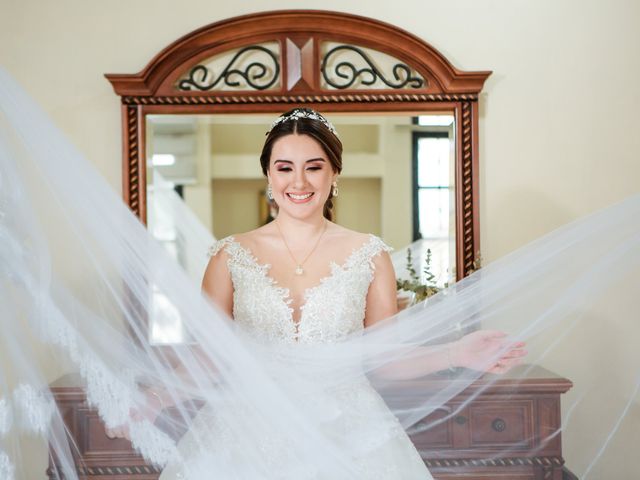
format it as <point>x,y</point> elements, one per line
<point>358,204</point>
<point>558,117</point>
<point>236,205</point>
<point>557,124</point>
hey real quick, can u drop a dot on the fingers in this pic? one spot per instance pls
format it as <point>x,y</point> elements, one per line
<point>504,365</point>
<point>122,431</point>
<point>512,345</point>
<point>515,353</point>
<point>507,347</point>
<point>118,432</point>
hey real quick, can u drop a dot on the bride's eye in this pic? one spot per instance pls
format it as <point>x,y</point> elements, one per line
<point>314,168</point>
<point>284,169</point>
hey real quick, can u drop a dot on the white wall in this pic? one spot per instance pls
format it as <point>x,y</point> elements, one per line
<point>559,122</point>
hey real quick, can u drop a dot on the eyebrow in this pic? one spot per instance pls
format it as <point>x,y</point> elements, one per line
<point>319,159</point>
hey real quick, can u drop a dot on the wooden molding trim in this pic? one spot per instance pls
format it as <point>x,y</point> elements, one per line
<point>284,99</point>
<point>125,471</point>
<point>546,462</point>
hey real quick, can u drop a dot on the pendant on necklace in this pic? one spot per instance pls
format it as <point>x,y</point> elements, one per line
<point>299,270</point>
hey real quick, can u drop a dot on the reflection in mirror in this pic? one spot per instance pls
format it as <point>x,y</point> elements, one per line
<point>204,182</point>
<point>434,194</point>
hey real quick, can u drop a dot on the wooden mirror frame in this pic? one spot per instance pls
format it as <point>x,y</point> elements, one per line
<point>299,34</point>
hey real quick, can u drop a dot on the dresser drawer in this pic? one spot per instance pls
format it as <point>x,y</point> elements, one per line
<point>483,425</point>
<point>434,431</point>
<point>495,424</point>
<point>95,441</point>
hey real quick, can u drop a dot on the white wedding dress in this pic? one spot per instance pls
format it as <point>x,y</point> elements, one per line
<point>80,274</point>
<point>332,310</point>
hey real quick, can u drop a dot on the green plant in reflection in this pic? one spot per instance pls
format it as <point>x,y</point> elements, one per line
<point>422,289</point>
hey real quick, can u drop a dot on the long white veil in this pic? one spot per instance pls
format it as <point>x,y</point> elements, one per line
<point>81,279</point>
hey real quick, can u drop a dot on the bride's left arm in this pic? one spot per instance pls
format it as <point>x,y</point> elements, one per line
<point>485,350</point>
<point>382,298</point>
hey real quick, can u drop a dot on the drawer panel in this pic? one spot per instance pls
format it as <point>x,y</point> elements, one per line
<point>501,424</point>
<point>95,441</point>
<point>433,432</point>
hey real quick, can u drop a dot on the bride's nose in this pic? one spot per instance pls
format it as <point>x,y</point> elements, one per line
<point>300,180</point>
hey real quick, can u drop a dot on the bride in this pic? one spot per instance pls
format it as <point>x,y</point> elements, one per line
<point>284,396</point>
<point>303,279</point>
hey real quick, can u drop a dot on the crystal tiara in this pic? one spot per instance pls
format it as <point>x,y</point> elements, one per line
<point>304,113</point>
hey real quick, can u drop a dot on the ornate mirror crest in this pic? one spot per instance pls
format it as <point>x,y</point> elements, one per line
<point>353,67</point>
<point>334,62</point>
<point>254,67</point>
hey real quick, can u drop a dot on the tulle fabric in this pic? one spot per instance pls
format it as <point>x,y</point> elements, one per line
<point>81,280</point>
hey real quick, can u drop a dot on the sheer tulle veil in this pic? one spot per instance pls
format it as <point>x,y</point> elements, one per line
<point>81,278</point>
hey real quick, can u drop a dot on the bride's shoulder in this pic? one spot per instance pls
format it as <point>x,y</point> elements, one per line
<point>241,243</point>
<point>257,237</point>
<point>353,239</point>
<point>345,235</point>
<point>232,243</point>
<point>220,245</point>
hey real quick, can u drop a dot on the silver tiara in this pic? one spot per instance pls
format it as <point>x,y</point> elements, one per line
<point>304,113</point>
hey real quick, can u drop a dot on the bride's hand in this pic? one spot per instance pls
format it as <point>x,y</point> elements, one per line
<point>149,411</point>
<point>487,350</point>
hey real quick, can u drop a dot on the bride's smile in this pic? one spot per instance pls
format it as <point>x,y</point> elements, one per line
<point>299,197</point>
<point>300,175</point>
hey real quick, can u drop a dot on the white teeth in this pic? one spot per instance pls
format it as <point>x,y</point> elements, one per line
<point>299,197</point>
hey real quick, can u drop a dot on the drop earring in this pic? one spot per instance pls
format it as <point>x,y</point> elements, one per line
<point>269,192</point>
<point>334,190</point>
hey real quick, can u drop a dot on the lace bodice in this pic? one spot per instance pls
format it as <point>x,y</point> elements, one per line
<point>332,309</point>
<point>353,418</point>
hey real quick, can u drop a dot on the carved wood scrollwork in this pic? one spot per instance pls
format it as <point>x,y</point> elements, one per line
<point>417,78</point>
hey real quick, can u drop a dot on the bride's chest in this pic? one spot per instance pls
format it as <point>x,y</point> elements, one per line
<point>322,313</point>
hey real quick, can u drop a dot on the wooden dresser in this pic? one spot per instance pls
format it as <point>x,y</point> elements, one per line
<point>508,431</point>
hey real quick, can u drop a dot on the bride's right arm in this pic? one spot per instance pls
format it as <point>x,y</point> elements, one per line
<point>217,284</point>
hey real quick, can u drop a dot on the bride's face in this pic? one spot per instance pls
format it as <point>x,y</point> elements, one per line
<point>301,176</point>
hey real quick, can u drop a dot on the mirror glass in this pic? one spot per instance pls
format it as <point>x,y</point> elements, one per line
<point>204,182</point>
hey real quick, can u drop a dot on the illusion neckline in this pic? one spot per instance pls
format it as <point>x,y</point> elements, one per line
<point>284,293</point>
<point>265,267</point>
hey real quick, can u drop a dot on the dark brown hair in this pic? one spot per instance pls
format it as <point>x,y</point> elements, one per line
<point>317,130</point>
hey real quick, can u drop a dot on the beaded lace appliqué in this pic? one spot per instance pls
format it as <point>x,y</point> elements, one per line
<point>7,469</point>
<point>332,309</point>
